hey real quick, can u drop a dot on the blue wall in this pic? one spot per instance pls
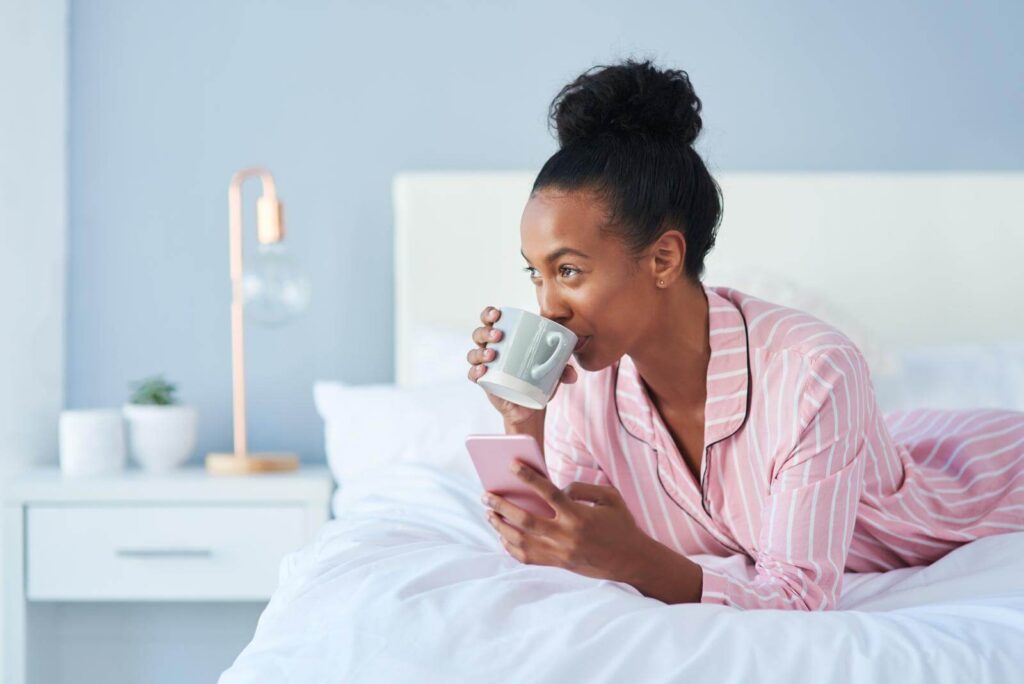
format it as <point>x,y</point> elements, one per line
<point>167,99</point>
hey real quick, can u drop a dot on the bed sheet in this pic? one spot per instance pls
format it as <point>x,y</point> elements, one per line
<point>410,583</point>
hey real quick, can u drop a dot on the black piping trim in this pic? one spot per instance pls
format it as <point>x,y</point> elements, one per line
<point>707,452</point>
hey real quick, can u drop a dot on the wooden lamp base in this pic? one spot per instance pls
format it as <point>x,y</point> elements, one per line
<point>230,464</point>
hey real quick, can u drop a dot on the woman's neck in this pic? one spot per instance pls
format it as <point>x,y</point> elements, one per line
<point>672,357</point>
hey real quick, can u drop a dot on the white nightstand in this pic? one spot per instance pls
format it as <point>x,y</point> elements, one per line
<point>185,536</point>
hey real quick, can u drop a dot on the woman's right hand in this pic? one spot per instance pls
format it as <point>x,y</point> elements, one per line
<point>513,413</point>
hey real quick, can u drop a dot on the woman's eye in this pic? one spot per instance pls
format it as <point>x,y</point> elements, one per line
<point>562,269</point>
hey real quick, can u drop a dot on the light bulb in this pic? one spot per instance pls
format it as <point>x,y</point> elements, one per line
<point>274,287</point>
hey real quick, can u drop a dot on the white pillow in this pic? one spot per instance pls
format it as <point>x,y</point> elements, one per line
<point>935,376</point>
<point>366,426</point>
<point>954,377</point>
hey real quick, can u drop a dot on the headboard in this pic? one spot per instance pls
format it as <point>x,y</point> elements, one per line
<point>918,258</point>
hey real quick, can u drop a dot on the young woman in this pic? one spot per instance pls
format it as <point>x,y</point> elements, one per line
<point>702,420</point>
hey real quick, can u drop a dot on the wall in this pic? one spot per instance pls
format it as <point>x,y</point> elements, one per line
<point>168,99</point>
<point>33,231</point>
<point>33,220</point>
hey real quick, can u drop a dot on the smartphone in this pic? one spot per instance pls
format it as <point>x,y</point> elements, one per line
<point>491,456</point>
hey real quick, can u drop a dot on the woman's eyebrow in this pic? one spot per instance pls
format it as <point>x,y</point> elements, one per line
<point>561,251</point>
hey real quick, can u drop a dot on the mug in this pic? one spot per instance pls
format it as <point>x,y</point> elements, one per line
<point>529,358</point>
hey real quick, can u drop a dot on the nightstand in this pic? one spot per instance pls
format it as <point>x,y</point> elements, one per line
<point>184,536</point>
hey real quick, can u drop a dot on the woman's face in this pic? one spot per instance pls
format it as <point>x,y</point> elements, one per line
<point>598,290</point>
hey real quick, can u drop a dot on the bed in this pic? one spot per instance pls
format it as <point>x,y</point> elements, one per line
<point>409,582</point>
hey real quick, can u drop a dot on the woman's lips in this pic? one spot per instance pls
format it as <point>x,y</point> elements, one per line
<point>581,343</point>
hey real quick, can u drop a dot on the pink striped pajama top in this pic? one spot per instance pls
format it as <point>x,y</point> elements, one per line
<point>802,473</point>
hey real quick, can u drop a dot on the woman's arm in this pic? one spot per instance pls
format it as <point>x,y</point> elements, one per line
<point>567,456</point>
<point>533,427</point>
<point>809,514</point>
<point>666,575</point>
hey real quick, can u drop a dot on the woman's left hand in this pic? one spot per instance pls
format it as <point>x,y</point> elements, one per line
<point>601,541</point>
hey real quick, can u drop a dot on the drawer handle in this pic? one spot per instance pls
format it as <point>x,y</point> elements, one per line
<point>164,553</point>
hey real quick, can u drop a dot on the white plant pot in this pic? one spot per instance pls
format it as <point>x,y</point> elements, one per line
<point>161,438</point>
<point>91,442</point>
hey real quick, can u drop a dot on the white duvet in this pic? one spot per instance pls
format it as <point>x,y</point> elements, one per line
<point>410,584</point>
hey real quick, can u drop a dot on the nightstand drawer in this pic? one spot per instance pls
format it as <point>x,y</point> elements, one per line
<point>158,553</point>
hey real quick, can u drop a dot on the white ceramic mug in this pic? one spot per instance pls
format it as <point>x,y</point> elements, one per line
<point>91,442</point>
<point>529,358</point>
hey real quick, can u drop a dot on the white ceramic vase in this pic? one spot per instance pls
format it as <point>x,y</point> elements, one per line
<point>161,438</point>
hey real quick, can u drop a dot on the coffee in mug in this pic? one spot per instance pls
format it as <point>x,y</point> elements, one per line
<point>529,358</point>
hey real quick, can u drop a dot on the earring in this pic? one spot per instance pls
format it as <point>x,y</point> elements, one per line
<point>661,282</point>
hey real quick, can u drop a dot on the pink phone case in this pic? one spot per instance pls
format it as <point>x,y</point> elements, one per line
<point>491,456</point>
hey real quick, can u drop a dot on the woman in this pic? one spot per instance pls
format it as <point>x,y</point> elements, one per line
<point>701,419</point>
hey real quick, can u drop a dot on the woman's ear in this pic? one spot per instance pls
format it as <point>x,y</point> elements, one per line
<point>668,257</point>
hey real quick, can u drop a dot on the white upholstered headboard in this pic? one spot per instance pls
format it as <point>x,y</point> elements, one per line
<point>917,258</point>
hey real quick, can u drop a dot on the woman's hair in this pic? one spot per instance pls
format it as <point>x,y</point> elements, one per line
<point>626,133</point>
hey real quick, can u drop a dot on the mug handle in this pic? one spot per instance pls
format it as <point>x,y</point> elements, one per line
<point>537,372</point>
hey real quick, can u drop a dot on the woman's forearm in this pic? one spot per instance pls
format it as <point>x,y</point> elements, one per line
<point>534,428</point>
<point>668,576</point>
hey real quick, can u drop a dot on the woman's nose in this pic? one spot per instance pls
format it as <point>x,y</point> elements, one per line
<point>551,307</point>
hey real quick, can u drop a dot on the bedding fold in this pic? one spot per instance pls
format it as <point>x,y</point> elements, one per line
<point>410,583</point>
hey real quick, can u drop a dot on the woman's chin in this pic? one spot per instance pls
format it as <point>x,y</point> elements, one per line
<point>586,360</point>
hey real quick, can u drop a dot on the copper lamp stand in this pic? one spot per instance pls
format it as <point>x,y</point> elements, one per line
<point>269,228</point>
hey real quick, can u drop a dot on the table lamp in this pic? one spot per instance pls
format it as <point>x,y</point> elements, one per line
<point>275,290</point>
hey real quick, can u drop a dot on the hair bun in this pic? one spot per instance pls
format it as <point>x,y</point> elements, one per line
<point>625,100</point>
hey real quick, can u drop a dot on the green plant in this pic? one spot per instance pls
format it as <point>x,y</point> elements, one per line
<point>153,390</point>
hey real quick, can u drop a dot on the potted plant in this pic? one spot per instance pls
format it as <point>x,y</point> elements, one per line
<point>161,432</point>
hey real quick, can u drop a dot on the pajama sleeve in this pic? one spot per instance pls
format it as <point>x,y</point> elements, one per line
<point>566,455</point>
<point>809,513</point>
